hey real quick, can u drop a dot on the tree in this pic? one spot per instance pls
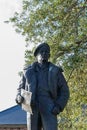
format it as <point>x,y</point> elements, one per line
<point>63,24</point>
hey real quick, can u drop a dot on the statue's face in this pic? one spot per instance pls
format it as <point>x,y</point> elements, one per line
<point>43,55</point>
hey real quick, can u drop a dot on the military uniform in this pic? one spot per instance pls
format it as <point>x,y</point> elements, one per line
<point>49,89</point>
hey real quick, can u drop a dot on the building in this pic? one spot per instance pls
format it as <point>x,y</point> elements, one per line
<point>13,118</point>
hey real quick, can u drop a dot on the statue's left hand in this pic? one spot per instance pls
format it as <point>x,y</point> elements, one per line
<point>55,110</point>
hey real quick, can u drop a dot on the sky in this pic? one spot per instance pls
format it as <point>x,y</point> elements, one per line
<point>12,47</point>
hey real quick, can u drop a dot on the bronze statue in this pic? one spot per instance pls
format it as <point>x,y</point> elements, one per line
<point>50,92</point>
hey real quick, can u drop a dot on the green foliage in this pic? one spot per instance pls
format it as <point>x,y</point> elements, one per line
<point>63,24</point>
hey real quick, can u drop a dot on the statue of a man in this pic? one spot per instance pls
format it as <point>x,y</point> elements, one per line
<point>50,92</point>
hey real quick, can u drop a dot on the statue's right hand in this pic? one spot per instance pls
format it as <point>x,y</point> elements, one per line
<point>19,99</point>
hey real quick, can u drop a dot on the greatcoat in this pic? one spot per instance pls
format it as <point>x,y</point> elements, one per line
<point>58,89</point>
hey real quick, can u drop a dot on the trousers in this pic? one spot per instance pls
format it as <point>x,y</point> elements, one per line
<point>43,118</point>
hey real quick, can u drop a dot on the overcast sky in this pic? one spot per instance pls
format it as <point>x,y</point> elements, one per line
<point>12,46</point>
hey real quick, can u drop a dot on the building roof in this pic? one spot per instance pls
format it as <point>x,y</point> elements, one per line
<point>12,116</point>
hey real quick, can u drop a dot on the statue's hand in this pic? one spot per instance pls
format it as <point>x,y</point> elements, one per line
<point>55,110</point>
<point>19,99</point>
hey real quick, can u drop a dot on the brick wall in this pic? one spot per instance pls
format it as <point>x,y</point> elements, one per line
<point>13,128</point>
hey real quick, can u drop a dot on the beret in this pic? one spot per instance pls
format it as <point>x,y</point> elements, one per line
<point>40,46</point>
